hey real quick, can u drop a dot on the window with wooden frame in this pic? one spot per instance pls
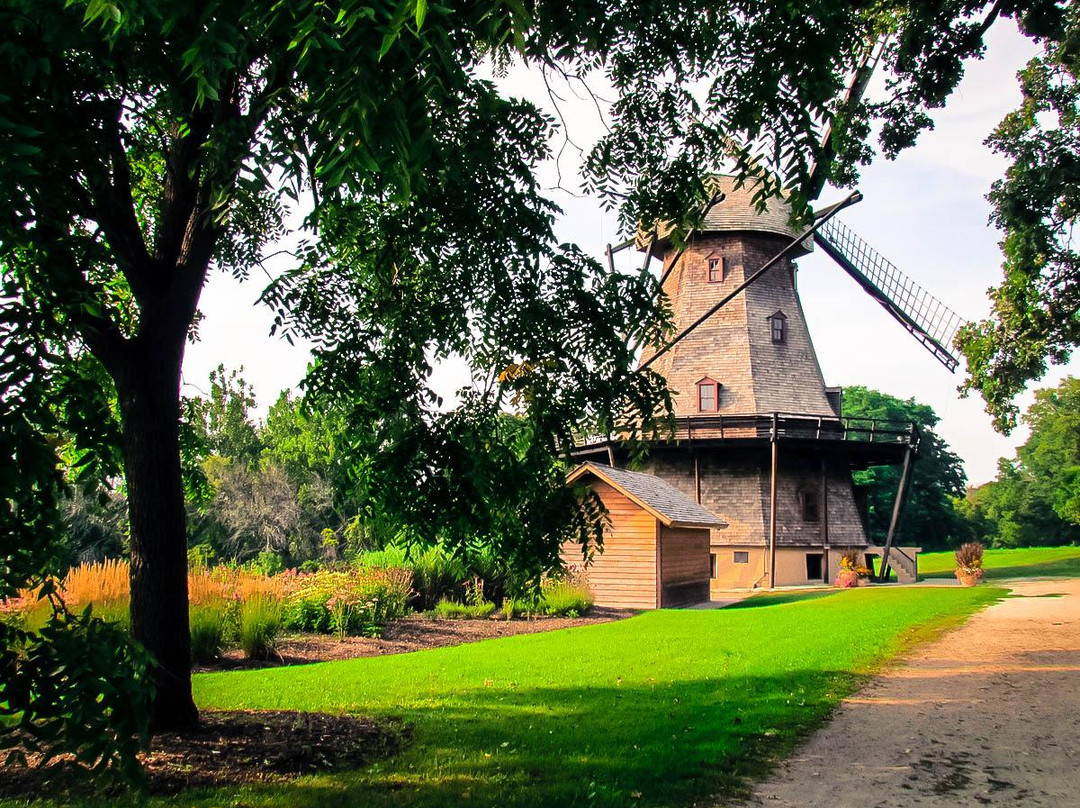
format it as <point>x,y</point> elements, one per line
<point>811,505</point>
<point>717,267</point>
<point>708,395</point>
<point>778,327</point>
<point>712,565</point>
<point>742,556</point>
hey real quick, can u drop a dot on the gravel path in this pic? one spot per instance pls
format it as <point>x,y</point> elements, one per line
<point>987,715</point>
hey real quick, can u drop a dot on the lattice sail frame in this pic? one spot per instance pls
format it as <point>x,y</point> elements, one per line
<point>929,320</point>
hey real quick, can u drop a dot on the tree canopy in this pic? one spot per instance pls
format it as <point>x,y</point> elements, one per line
<point>930,519</point>
<point>1035,499</point>
<point>1036,307</point>
<point>150,141</point>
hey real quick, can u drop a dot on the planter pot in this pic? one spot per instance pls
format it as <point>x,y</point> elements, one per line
<point>845,579</point>
<point>969,578</point>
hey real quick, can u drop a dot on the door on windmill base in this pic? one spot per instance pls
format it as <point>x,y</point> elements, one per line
<point>684,566</point>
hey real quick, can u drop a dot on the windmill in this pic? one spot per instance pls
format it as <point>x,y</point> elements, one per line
<point>759,438</point>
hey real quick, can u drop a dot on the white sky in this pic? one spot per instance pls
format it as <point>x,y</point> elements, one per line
<point>926,212</point>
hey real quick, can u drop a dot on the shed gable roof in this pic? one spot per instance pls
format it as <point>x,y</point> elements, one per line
<point>661,499</point>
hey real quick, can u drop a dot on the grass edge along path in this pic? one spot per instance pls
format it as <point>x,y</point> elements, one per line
<point>666,708</point>
<point>1021,562</point>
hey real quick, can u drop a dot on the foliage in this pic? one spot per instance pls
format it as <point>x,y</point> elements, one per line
<point>1034,319</point>
<point>660,697</point>
<point>452,610</point>
<point>969,557</point>
<point>207,631</point>
<point>1035,499</point>
<point>930,517</point>
<point>77,689</point>
<point>563,598</point>
<point>260,624</point>
<point>359,601</point>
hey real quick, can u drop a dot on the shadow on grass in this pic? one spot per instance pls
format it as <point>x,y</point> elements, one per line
<point>780,598</point>
<point>582,745</point>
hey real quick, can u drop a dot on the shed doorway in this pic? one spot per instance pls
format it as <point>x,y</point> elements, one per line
<point>815,566</point>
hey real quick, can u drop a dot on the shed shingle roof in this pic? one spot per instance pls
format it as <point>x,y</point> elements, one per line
<point>667,503</point>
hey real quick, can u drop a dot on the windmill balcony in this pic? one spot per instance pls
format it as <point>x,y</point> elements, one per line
<point>870,441</point>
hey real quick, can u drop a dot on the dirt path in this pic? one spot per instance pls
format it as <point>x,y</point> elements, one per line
<point>987,715</point>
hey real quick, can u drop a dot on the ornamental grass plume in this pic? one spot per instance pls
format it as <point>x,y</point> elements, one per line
<point>102,584</point>
<point>969,557</point>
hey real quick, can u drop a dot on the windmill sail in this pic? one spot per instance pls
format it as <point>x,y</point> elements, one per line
<point>929,320</point>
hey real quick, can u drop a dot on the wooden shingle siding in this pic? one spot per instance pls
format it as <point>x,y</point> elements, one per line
<point>624,575</point>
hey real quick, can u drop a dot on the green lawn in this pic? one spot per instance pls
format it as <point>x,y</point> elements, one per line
<point>1061,562</point>
<point>658,710</point>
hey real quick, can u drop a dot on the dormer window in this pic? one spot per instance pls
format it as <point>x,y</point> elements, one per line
<point>718,267</point>
<point>778,327</point>
<point>708,395</point>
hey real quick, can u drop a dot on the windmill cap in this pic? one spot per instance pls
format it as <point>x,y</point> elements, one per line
<point>736,212</point>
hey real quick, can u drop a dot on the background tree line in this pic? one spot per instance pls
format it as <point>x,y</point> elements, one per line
<point>276,491</point>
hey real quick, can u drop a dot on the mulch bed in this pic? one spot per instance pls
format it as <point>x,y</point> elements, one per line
<point>234,748</point>
<point>412,633</point>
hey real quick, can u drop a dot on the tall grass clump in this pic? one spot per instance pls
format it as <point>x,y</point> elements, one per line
<point>207,632</point>
<point>451,610</point>
<point>437,574</point>
<point>260,626</point>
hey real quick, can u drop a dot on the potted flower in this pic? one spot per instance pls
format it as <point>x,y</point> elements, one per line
<point>852,571</point>
<point>969,559</point>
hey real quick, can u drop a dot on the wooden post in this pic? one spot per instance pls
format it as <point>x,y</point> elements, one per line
<point>825,516</point>
<point>772,506</point>
<point>898,505</point>
<point>610,259</point>
<point>697,479</point>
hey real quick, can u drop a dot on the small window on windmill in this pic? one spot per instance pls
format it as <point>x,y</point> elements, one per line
<point>778,326</point>
<point>712,565</point>
<point>718,267</point>
<point>708,395</point>
<point>810,510</point>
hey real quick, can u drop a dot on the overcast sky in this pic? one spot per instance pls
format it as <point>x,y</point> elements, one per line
<point>926,212</point>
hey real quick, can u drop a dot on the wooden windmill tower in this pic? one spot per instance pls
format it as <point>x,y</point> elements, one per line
<point>759,440</point>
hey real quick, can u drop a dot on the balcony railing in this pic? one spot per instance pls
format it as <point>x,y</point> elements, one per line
<point>784,425</point>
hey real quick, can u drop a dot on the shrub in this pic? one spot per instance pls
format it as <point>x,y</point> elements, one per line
<point>565,599</point>
<point>451,610</point>
<point>436,573</point>
<point>207,631</point>
<point>269,563</point>
<point>260,625</point>
<point>359,601</point>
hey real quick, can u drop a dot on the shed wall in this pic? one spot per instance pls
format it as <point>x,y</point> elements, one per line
<point>684,566</point>
<point>624,574</point>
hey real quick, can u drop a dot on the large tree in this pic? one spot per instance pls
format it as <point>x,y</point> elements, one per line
<point>1036,308</point>
<point>930,518</point>
<point>1035,499</point>
<point>147,141</point>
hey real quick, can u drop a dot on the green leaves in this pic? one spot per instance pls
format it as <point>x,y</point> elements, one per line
<point>930,518</point>
<point>1036,205</point>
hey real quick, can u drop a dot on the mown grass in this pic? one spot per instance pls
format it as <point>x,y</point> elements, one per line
<point>1058,562</point>
<point>661,709</point>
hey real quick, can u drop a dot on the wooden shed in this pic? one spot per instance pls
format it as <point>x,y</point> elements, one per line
<point>656,549</point>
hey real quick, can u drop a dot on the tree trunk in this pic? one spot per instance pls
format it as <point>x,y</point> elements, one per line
<point>149,391</point>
